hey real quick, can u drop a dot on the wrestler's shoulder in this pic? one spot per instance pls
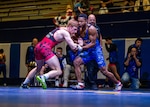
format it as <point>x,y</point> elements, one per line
<point>91,26</point>
<point>63,30</point>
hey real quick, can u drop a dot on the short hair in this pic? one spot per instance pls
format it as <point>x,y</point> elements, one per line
<point>108,38</point>
<point>59,48</point>
<point>135,48</point>
<point>1,50</point>
<point>83,15</point>
<point>73,22</point>
<point>138,39</point>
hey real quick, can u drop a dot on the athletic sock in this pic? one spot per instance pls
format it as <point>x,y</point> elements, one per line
<point>118,83</point>
<point>26,81</point>
<point>46,76</point>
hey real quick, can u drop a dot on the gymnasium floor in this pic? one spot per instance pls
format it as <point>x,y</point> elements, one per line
<point>66,97</point>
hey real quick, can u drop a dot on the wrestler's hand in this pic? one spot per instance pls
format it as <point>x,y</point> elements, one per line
<point>76,48</point>
<point>80,48</point>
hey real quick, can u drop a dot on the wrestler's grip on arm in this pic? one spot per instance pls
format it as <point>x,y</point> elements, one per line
<point>80,48</point>
<point>79,42</point>
<point>70,42</point>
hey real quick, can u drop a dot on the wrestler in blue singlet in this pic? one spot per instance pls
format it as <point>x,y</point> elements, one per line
<point>93,53</point>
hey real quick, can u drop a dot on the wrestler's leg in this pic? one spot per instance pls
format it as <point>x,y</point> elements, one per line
<point>108,74</point>
<point>99,58</point>
<point>54,64</point>
<point>113,69</point>
<point>111,76</point>
<point>77,62</point>
<point>32,73</point>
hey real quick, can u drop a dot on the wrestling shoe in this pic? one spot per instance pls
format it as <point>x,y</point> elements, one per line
<point>24,86</point>
<point>41,79</point>
<point>79,86</point>
<point>118,87</point>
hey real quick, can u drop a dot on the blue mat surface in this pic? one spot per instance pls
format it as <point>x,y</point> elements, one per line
<point>65,97</point>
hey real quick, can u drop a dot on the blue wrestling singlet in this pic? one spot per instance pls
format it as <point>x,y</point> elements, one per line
<point>94,53</point>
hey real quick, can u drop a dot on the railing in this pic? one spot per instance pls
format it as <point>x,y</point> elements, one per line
<point>28,10</point>
<point>62,12</point>
<point>125,21</point>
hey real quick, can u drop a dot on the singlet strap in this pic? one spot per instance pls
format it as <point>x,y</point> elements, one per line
<point>50,35</point>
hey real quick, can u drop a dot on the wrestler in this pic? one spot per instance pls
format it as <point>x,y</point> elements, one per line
<point>43,52</point>
<point>92,51</point>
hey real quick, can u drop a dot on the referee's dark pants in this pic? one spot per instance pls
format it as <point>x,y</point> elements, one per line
<point>91,75</point>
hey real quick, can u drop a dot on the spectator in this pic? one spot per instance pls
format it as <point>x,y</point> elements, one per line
<point>137,44</point>
<point>30,58</point>
<point>103,9</point>
<point>69,11</point>
<point>132,64</point>
<point>61,21</point>
<point>113,57</point>
<point>128,6</point>
<point>108,3</point>
<point>68,67</point>
<point>78,7</point>
<point>85,6</point>
<point>62,61</point>
<point>3,65</point>
<point>91,8</point>
<point>142,5</point>
<point>70,56</point>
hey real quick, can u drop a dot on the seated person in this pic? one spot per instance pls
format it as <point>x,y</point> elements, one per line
<point>132,64</point>
<point>128,6</point>
<point>142,5</point>
<point>62,61</point>
<point>70,56</point>
<point>109,4</point>
<point>103,9</point>
<point>78,7</point>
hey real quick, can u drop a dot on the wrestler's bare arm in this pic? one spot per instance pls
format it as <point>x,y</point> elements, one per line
<point>69,41</point>
<point>92,38</point>
<point>101,39</point>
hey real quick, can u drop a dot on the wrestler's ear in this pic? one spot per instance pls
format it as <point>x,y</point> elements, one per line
<point>69,28</point>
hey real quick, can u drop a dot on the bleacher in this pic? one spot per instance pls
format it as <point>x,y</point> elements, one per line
<point>96,3</point>
<point>11,10</point>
